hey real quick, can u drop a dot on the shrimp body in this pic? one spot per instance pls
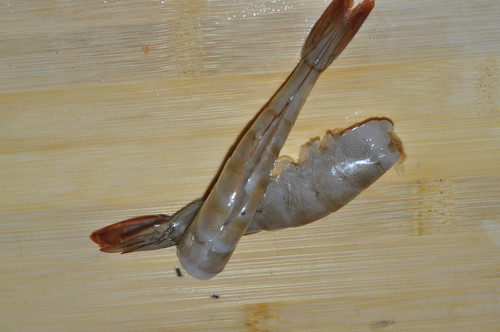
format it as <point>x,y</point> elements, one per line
<point>207,238</point>
<point>211,238</point>
<point>328,174</point>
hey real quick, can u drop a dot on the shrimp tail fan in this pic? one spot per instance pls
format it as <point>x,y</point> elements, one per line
<point>333,31</point>
<point>147,232</point>
<point>129,235</point>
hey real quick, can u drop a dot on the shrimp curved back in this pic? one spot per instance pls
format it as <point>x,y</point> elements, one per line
<point>213,235</point>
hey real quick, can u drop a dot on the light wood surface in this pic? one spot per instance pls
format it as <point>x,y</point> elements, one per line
<point>113,109</point>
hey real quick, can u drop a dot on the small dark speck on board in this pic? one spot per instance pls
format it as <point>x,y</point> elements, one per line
<point>380,324</point>
<point>178,271</point>
<point>214,296</point>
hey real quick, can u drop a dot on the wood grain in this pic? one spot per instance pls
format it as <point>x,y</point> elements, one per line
<point>114,109</point>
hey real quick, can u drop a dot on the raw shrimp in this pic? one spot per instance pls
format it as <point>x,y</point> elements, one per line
<point>205,244</point>
<point>327,176</point>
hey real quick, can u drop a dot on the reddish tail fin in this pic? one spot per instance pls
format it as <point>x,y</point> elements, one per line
<point>333,31</point>
<point>130,235</point>
<point>146,232</point>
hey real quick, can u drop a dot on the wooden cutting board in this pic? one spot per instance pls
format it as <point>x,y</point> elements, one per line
<point>113,109</point>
